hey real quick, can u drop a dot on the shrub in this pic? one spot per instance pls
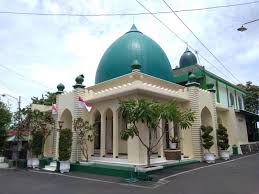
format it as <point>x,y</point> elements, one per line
<point>222,137</point>
<point>37,141</point>
<point>65,143</point>
<point>207,142</point>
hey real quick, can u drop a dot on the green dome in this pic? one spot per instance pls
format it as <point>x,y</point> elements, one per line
<point>188,59</point>
<point>60,87</point>
<point>132,46</point>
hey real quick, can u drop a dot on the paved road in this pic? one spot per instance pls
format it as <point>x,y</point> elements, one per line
<point>237,177</point>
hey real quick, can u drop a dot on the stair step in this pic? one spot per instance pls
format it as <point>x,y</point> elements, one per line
<point>49,168</point>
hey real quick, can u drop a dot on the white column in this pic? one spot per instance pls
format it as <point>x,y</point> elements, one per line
<point>103,134</point>
<point>115,138</point>
<point>91,143</point>
<point>57,143</point>
<point>78,113</point>
<point>160,144</point>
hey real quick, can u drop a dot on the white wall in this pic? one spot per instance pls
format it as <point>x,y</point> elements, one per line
<point>223,94</point>
<point>236,102</point>
<point>242,100</point>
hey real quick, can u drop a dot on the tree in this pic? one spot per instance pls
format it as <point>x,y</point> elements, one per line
<point>206,137</point>
<point>251,99</point>
<point>150,113</point>
<point>3,136</point>
<point>65,143</point>
<point>47,99</point>
<point>5,116</point>
<point>5,120</point>
<point>37,143</point>
<point>86,133</point>
<point>222,137</point>
<point>36,122</point>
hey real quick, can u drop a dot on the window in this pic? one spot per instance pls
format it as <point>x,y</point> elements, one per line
<point>232,101</point>
<point>240,103</point>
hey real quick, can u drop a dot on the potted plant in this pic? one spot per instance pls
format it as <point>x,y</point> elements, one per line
<point>65,143</point>
<point>37,138</point>
<point>173,142</point>
<point>222,137</point>
<point>207,143</point>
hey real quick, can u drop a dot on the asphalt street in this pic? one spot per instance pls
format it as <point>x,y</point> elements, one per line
<point>240,176</point>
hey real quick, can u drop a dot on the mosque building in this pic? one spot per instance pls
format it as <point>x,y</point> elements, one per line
<point>136,66</point>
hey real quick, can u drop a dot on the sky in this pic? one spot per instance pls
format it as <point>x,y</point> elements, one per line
<point>39,52</point>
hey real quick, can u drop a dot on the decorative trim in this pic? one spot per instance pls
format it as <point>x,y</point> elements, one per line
<point>203,83</point>
<point>78,86</point>
<point>217,89</point>
<point>227,95</point>
<point>196,84</point>
<point>236,99</point>
<point>223,81</point>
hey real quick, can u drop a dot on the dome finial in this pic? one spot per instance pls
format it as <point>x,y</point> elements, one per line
<point>60,88</point>
<point>187,46</point>
<point>79,81</point>
<point>133,28</point>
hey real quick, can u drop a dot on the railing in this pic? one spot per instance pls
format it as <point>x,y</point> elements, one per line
<point>251,147</point>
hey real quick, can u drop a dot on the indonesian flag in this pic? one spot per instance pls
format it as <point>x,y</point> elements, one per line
<point>54,109</point>
<point>84,104</point>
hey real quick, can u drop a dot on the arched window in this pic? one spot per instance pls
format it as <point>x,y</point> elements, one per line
<point>232,101</point>
<point>240,103</point>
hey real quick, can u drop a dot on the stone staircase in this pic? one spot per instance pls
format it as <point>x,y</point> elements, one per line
<point>52,167</point>
<point>3,164</point>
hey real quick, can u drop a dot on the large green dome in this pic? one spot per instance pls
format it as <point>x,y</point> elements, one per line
<point>187,59</point>
<point>132,46</point>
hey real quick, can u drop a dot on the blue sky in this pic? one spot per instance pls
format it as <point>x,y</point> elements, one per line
<point>46,50</point>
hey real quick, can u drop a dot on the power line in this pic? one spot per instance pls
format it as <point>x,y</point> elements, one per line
<point>24,77</point>
<point>217,59</point>
<point>11,90</point>
<point>251,21</point>
<point>180,38</point>
<point>125,14</point>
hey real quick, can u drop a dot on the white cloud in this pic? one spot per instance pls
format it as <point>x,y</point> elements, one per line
<point>57,49</point>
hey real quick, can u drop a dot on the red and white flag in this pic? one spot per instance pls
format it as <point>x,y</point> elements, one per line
<point>84,104</point>
<point>54,109</point>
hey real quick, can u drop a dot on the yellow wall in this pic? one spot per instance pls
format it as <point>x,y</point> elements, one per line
<point>236,126</point>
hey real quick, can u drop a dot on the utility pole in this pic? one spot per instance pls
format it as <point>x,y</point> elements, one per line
<point>19,130</point>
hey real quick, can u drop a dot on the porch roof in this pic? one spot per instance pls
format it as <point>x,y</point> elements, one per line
<point>136,83</point>
<point>250,115</point>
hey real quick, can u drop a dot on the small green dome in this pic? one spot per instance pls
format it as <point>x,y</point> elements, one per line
<point>192,78</point>
<point>210,85</point>
<point>187,59</point>
<point>60,87</point>
<point>134,45</point>
<point>79,79</point>
<point>136,65</point>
